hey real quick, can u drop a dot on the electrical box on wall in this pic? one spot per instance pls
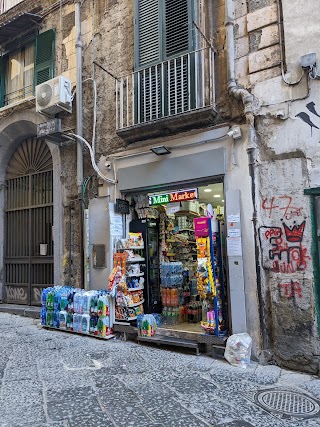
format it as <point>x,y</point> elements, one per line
<point>99,256</point>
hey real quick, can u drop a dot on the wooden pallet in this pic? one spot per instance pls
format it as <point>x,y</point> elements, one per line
<point>170,341</point>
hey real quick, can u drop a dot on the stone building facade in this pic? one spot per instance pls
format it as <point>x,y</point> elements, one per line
<point>246,61</point>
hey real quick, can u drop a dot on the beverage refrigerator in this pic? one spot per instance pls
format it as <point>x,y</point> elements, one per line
<point>150,232</point>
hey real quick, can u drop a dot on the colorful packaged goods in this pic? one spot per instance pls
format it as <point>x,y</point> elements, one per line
<point>76,310</point>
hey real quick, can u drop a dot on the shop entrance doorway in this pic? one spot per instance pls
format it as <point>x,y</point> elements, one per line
<point>28,223</point>
<point>184,275</point>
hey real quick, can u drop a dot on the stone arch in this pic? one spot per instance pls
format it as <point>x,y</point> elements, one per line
<point>13,130</point>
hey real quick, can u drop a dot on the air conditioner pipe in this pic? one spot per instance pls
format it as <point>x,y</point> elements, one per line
<point>247,99</point>
<point>77,4</point>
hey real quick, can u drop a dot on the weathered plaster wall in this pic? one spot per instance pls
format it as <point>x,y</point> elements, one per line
<point>301,31</point>
<point>288,164</point>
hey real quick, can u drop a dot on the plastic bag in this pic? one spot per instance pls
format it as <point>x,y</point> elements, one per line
<point>238,350</point>
<point>148,325</point>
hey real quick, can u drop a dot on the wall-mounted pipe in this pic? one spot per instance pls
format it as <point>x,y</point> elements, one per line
<point>77,4</point>
<point>247,99</point>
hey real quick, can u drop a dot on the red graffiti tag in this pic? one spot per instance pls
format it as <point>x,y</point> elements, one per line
<point>281,203</point>
<point>290,290</point>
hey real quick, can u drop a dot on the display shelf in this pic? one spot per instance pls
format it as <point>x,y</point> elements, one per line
<point>171,241</point>
<point>140,288</point>
<point>185,229</point>
<point>128,319</point>
<point>135,275</point>
<point>186,213</point>
<point>135,304</point>
<point>171,254</point>
<point>135,247</point>
<point>135,260</point>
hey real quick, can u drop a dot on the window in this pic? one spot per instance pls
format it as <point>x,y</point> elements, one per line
<point>164,35</point>
<point>24,67</point>
<point>163,29</point>
<point>8,4</point>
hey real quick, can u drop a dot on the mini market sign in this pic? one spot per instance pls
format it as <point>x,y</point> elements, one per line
<point>176,196</point>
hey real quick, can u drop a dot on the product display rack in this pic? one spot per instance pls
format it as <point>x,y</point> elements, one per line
<point>130,274</point>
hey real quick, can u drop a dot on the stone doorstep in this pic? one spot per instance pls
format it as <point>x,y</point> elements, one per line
<point>21,310</point>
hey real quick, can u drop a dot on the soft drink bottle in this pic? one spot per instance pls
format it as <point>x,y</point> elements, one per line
<point>50,300</point>
<point>69,321</point>
<point>49,318</point>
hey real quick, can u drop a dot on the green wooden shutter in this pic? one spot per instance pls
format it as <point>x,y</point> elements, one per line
<point>148,32</point>
<point>3,64</point>
<point>178,25</point>
<point>44,57</point>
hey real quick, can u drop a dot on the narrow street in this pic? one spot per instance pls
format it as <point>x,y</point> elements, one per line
<point>51,378</point>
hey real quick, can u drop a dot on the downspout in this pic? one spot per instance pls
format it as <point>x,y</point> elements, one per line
<point>77,4</point>
<point>247,99</point>
<point>77,7</point>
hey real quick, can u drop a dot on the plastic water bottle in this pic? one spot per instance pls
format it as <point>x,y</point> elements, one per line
<point>43,316</point>
<point>76,324</point>
<point>63,319</point>
<point>85,323</point>
<point>64,299</point>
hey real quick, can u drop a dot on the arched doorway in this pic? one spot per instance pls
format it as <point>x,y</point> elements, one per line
<point>28,223</point>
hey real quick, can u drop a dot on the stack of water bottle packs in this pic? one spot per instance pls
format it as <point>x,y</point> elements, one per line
<point>76,310</point>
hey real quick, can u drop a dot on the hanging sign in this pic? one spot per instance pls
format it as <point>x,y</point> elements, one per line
<point>176,196</point>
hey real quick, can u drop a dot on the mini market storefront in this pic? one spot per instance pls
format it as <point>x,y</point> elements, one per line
<point>166,194</point>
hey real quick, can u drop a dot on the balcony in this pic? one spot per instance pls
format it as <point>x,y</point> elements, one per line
<point>166,98</point>
<point>5,5</point>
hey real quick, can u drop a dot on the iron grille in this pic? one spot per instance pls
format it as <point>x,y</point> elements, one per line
<point>29,221</point>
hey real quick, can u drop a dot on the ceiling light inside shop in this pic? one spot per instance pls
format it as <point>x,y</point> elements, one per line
<point>160,150</point>
<point>216,196</point>
<point>207,190</point>
<point>222,200</point>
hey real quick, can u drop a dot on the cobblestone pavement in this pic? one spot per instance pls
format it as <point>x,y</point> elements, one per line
<point>51,378</point>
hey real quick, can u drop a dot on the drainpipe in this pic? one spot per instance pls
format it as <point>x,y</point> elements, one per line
<point>247,99</point>
<point>77,7</point>
<point>77,4</point>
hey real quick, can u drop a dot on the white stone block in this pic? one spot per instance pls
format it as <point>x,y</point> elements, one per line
<point>263,59</point>
<point>269,36</point>
<point>262,17</point>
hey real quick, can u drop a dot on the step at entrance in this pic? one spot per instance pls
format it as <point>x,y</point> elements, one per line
<point>170,341</point>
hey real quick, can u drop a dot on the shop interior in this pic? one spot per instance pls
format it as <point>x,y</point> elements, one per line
<point>171,270</point>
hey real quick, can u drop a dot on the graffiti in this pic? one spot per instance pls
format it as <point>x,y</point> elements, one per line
<point>282,204</point>
<point>16,294</point>
<point>37,292</point>
<point>282,248</point>
<point>291,289</point>
<point>306,118</point>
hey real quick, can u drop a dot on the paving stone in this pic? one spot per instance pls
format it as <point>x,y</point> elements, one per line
<point>52,379</point>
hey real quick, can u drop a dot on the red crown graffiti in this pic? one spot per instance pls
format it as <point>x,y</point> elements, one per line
<point>295,233</point>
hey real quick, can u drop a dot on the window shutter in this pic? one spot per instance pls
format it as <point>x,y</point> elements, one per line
<point>178,25</point>
<point>3,64</point>
<point>147,32</point>
<point>44,57</point>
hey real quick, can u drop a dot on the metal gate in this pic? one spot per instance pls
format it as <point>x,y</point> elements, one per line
<point>28,223</point>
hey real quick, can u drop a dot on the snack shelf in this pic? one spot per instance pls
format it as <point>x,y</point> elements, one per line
<point>128,319</point>
<point>135,259</point>
<point>140,288</point>
<point>134,247</point>
<point>136,303</point>
<point>135,275</point>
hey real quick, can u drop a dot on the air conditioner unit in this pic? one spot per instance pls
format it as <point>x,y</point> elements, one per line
<point>54,96</point>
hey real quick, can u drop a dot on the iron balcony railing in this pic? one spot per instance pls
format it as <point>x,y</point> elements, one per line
<point>8,4</point>
<point>172,87</point>
<point>18,95</point>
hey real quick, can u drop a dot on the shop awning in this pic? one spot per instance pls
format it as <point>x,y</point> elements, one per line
<point>19,23</point>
